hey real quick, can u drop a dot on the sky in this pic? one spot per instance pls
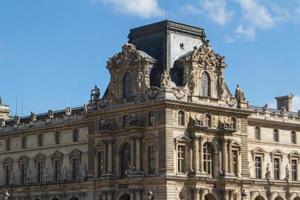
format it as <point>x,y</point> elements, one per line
<point>53,52</point>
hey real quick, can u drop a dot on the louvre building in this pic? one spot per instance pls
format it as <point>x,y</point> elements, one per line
<point>166,128</point>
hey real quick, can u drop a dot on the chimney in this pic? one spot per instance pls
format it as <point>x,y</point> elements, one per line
<point>285,102</point>
<point>4,110</point>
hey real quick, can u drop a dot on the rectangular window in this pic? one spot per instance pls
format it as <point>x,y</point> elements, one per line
<point>294,170</point>
<point>23,173</point>
<point>276,168</point>
<point>257,133</point>
<point>40,140</point>
<point>276,136</point>
<point>75,135</point>
<point>57,137</point>
<point>75,169</point>
<point>100,163</point>
<point>57,170</point>
<point>293,137</point>
<point>24,142</point>
<point>181,159</point>
<point>7,174</point>
<point>40,171</point>
<point>258,167</point>
<point>235,162</point>
<point>151,159</point>
<point>7,144</point>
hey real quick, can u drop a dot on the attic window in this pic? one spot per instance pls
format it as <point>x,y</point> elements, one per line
<point>181,46</point>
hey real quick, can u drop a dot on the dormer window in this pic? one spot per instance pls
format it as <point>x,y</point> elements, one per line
<point>127,85</point>
<point>205,83</point>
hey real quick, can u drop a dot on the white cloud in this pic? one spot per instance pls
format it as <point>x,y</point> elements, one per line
<point>245,33</point>
<point>189,9</point>
<point>216,11</point>
<point>257,14</point>
<point>140,8</point>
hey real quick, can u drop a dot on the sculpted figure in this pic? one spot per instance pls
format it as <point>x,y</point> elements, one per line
<point>95,94</point>
<point>165,80</point>
<point>239,94</point>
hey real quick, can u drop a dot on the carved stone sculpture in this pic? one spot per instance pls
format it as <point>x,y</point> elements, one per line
<point>165,80</point>
<point>95,94</point>
<point>33,116</point>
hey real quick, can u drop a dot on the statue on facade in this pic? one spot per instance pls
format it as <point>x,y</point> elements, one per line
<point>2,122</point>
<point>50,114</point>
<point>150,194</point>
<point>95,94</point>
<point>165,80</point>
<point>287,173</point>
<point>33,116</point>
<point>240,96</point>
<point>6,195</point>
<point>68,111</point>
<point>268,172</point>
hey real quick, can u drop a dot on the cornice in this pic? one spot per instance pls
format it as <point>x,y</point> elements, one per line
<point>273,124</point>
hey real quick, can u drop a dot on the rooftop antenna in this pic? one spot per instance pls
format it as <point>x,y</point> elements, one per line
<point>22,104</point>
<point>16,113</point>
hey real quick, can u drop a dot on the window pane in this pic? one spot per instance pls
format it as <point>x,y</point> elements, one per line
<point>276,168</point>
<point>258,167</point>
<point>181,159</point>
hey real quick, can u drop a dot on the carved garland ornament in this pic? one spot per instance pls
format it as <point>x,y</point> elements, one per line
<point>205,56</point>
<point>128,55</point>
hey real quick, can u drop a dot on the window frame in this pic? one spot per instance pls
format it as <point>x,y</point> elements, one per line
<point>257,133</point>
<point>181,158</point>
<point>276,137</point>
<point>294,169</point>
<point>40,139</point>
<point>258,169</point>
<point>294,137</point>
<point>276,168</point>
<point>181,118</point>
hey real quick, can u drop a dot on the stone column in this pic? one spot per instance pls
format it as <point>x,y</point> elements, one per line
<point>132,154</point>
<point>230,160</point>
<point>109,157</point>
<point>137,154</point>
<point>197,194</point>
<point>201,155</point>
<point>226,195</point>
<point>225,157</point>
<point>137,194</point>
<point>202,194</point>
<point>109,195</point>
<point>196,154</point>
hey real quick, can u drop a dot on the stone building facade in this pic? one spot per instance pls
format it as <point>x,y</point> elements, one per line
<point>167,127</point>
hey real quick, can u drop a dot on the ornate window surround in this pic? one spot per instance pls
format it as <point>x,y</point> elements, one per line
<point>147,141</point>
<point>184,141</point>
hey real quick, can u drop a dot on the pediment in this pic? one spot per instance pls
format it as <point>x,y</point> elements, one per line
<point>183,139</point>
<point>205,56</point>
<point>23,159</point>
<point>40,157</point>
<point>57,155</point>
<point>294,154</point>
<point>150,138</point>
<point>127,56</point>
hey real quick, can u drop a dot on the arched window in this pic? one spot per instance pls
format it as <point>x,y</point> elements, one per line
<point>125,159</point>
<point>208,158</point>
<point>181,118</point>
<point>205,83</point>
<point>127,85</point>
<point>257,133</point>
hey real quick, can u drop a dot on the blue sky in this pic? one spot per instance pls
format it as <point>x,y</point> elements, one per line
<point>52,52</point>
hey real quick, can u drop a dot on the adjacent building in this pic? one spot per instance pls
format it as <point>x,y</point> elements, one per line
<point>167,127</point>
